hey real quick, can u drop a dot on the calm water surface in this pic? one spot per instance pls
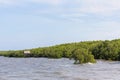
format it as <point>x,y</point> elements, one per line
<point>56,69</point>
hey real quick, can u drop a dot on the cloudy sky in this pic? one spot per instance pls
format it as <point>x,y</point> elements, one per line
<point>37,23</point>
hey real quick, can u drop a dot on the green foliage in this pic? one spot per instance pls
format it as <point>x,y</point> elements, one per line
<point>81,52</point>
<point>14,54</point>
<point>83,56</point>
<point>108,50</point>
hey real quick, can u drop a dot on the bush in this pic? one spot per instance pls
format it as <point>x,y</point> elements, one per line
<point>82,56</point>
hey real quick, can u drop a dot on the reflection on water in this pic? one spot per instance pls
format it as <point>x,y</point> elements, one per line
<point>56,69</point>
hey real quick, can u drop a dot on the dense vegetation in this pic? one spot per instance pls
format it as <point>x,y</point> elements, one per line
<point>81,52</point>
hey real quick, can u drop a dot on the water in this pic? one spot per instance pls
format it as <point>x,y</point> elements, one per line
<point>56,69</point>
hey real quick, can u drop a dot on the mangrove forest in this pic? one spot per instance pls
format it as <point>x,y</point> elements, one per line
<point>81,52</point>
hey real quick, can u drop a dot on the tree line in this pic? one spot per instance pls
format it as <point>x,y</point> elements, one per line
<point>81,52</point>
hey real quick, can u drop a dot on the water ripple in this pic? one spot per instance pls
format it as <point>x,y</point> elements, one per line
<point>56,69</point>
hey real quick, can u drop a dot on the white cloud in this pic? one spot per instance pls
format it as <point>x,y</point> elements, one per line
<point>14,2</point>
<point>102,7</point>
<point>75,15</point>
<point>7,2</point>
<point>53,2</point>
<point>98,7</point>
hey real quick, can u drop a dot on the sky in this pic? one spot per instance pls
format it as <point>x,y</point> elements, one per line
<point>26,24</point>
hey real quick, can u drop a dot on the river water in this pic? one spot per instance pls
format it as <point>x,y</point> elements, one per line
<point>56,69</point>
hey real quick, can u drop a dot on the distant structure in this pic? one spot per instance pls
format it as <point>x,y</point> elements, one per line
<point>27,52</point>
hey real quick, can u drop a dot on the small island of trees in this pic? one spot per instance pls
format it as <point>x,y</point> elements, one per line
<point>81,52</point>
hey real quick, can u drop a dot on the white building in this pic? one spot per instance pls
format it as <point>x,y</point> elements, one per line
<point>26,52</point>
